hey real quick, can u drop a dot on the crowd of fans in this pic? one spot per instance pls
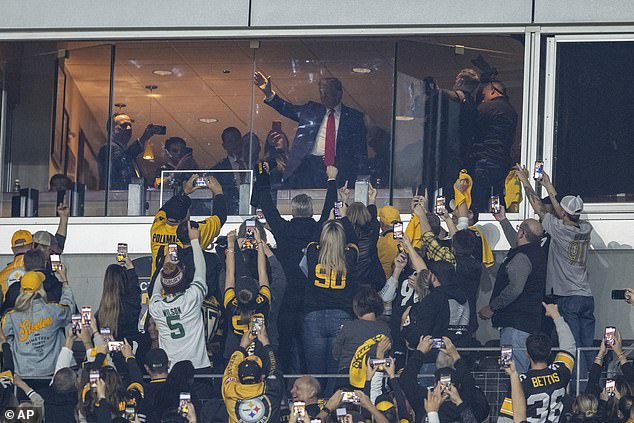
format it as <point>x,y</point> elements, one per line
<point>354,296</point>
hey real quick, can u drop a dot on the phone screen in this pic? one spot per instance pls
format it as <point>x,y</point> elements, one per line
<point>609,336</point>
<point>56,262</point>
<point>299,409</point>
<point>336,209</point>
<point>506,354</point>
<point>618,294</point>
<point>115,345</point>
<point>438,343</point>
<point>610,387</point>
<point>173,252</point>
<point>260,215</point>
<point>122,252</point>
<point>183,409</point>
<point>86,315</point>
<point>350,397</point>
<point>200,182</point>
<point>105,334</point>
<point>94,377</point>
<point>249,236</point>
<point>397,227</point>
<point>440,205</point>
<point>538,175</point>
<point>76,324</point>
<point>445,382</point>
<point>256,325</point>
<point>495,204</point>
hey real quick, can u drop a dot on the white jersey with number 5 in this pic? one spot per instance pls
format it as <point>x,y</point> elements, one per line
<point>179,319</point>
<point>544,391</point>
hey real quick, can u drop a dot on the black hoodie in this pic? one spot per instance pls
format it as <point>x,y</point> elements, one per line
<point>433,314</point>
<point>60,407</point>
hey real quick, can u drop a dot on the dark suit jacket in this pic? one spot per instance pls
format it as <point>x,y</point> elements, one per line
<point>229,187</point>
<point>351,157</point>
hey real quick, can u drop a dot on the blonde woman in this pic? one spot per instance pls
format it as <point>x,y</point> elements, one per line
<point>329,292</point>
<point>32,327</point>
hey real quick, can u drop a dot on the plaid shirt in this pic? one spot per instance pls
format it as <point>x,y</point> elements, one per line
<point>435,251</point>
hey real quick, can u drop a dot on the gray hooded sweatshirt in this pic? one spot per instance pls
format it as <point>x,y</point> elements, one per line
<point>37,335</point>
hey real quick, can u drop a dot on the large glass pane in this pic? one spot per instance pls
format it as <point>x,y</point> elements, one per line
<point>353,78</point>
<point>54,124</point>
<point>196,91</point>
<point>593,151</point>
<point>450,115</point>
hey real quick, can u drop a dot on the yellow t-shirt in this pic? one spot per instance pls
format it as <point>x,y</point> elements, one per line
<point>162,234</point>
<point>12,273</point>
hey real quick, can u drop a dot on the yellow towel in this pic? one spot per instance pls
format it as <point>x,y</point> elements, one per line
<point>413,232</point>
<point>359,361</point>
<point>513,190</point>
<point>487,254</point>
<point>459,196</point>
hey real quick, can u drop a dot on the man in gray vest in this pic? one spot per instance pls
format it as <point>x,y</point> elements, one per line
<point>515,305</point>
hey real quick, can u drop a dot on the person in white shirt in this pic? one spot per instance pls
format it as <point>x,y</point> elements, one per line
<point>177,314</point>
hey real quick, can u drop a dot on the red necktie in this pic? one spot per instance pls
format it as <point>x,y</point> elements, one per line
<point>329,153</point>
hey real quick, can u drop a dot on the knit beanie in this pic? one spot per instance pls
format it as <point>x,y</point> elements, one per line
<point>172,278</point>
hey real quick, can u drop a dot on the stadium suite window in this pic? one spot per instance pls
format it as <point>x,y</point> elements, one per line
<point>593,151</point>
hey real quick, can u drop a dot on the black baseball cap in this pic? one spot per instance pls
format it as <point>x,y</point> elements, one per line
<point>250,371</point>
<point>156,359</point>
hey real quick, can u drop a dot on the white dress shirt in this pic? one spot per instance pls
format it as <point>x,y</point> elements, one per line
<point>319,149</point>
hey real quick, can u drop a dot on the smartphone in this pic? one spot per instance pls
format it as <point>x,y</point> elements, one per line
<point>299,409</point>
<point>249,236</point>
<point>94,377</point>
<point>350,397</point>
<point>437,343</point>
<point>56,262</point>
<point>381,363</point>
<point>105,334</point>
<point>183,408</point>
<point>440,205</point>
<point>610,387</point>
<point>619,294</point>
<point>256,325</point>
<point>445,382</point>
<point>494,205</point>
<point>200,182</point>
<point>122,252</point>
<point>400,248</point>
<point>173,252</point>
<point>130,413</point>
<point>397,228</point>
<point>115,345</point>
<point>506,354</point>
<point>609,336</point>
<point>276,126</point>
<point>337,208</point>
<point>86,315</point>
<point>260,215</point>
<point>538,174</point>
<point>76,324</point>
<point>160,129</point>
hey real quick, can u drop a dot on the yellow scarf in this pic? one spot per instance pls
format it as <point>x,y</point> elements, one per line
<point>487,254</point>
<point>513,190</point>
<point>466,196</point>
<point>359,361</point>
<point>413,232</point>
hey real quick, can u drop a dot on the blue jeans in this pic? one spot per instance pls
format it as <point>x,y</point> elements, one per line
<point>578,312</point>
<point>517,339</point>
<point>320,330</point>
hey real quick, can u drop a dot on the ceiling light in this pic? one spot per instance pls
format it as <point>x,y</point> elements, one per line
<point>404,118</point>
<point>226,71</point>
<point>148,153</point>
<point>162,72</point>
<point>361,70</point>
<point>208,120</point>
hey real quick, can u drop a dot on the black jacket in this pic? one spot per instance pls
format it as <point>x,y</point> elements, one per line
<point>471,394</point>
<point>431,316</point>
<point>60,408</point>
<point>368,270</point>
<point>525,312</point>
<point>292,237</point>
<point>468,274</point>
<point>129,308</point>
<point>123,166</point>
<point>497,121</point>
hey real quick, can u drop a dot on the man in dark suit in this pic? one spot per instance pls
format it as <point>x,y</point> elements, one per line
<point>329,134</point>
<point>230,181</point>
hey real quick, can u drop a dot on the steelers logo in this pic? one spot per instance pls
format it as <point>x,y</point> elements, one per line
<point>254,410</point>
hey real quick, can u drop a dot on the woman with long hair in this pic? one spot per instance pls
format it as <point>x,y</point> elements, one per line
<point>585,409</point>
<point>276,148</point>
<point>368,270</point>
<point>328,296</point>
<point>120,303</point>
<point>32,327</point>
